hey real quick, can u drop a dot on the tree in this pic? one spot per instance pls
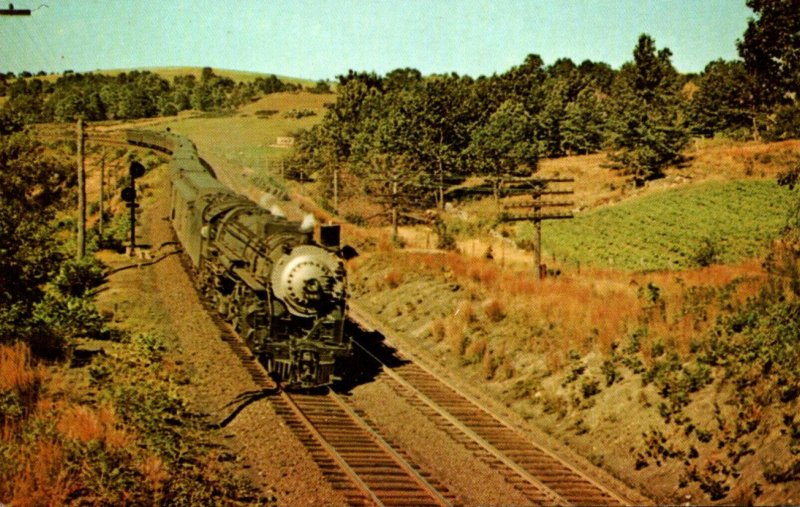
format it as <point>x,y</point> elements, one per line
<point>646,133</point>
<point>443,122</point>
<point>507,144</point>
<point>770,48</point>
<point>381,158</point>
<point>583,127</point>
<point>31,187</point>
<point>723,100</point>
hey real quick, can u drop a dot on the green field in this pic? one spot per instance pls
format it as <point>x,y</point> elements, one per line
<point>247,139</point>
<point>667,229</point>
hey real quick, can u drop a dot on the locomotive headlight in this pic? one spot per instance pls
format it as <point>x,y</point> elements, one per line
<point>308,280</point>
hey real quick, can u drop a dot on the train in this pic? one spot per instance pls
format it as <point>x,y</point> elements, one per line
<point>283,292</point>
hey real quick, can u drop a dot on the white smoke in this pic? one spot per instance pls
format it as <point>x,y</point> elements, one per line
<point>308,223</point>
<point>277,211</point>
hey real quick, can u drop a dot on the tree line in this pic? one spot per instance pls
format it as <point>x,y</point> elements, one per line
<point>128,95</point>
<point>409,135</point>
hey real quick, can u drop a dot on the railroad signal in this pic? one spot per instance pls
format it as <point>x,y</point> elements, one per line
<point>128,195</point>
<point>136,170</point>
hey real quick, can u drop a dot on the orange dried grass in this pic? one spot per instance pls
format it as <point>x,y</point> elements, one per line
<point>84,424</point>
<point>18,374</point>
<point>43,478</point>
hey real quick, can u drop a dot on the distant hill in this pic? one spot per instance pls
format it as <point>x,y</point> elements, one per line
<point>169,73</point>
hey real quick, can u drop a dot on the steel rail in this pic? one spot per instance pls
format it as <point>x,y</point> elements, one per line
<point>361,317</point>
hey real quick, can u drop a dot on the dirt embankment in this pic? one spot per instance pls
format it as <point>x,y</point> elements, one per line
<point>569,387</point>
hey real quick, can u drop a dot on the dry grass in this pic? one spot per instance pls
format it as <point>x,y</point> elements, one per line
<point>43,478</point>
<point>456,337</point>
<point>18,375</point>
<point>476,349</point>
<point>438,329</point>
<point>466,312</point>
<point>595,310</point>
<point>85,424</point>
<point>393,279</point>
<point>488,365</point>
<point>494,310</point>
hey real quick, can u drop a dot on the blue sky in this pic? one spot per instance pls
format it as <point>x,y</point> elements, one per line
<point>319,39</point>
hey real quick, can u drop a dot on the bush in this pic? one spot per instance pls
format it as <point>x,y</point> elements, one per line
<point>68,317</point>
<point>707,253</point>
<point>77,277</point>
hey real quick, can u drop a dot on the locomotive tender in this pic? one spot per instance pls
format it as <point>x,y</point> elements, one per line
<point>283,293</point>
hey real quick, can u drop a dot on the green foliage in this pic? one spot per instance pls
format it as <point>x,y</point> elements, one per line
<point>28,254</point>
<point>707,253</point>
<point>321,87</point>
<point>77,277</point>
<point>299,113</point>
<point>506,144</point>
<point>68,317</point>
<point>149,346</point>
<point>769,48</point>
<point>667,230</point>
<point>130,95</point>
<point>723,101</point>
<point>646,132</point>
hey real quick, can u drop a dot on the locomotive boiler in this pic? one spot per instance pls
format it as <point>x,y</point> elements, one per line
<point>283,293</point>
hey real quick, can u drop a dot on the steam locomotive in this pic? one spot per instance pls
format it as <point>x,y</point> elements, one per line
<point>284,293</point>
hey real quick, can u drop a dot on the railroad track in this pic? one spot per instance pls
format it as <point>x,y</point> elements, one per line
<point>542,476</point>
<point>353,456</point>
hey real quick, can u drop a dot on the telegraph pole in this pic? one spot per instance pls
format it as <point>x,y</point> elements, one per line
<point>11,11</point>
<point>102,194</point>
<point>81,193</point>
<point>536,188</point>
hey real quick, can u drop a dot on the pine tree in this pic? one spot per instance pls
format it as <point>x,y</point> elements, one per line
<point>646,134</point>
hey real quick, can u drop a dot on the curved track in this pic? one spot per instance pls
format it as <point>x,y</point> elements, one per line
<point>332,431</point>
<point>354,458</point>
<point>542,476</point>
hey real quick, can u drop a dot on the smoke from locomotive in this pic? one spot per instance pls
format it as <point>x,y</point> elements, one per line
<point>285,295</point>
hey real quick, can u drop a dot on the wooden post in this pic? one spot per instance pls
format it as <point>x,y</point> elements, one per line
<point>102,195</point>
<point>335,190</point>
<point>394,210</point>
<point>81,194</point>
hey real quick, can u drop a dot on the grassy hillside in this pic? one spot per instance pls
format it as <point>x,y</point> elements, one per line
<point>666,230</point>
<point>248,137</point>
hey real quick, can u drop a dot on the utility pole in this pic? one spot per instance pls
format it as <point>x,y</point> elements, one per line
<point>81,193</point>
<point>102,195</point>
<point>11,11</point>
<point>536,188</point>
<point>335,189</point>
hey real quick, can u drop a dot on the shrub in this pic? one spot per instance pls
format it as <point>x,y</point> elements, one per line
<point>438,330</point>
<point>707,253</point>
<point>68,317</point>
<point>494,310</point>
<point>456,338</point>
<point>77,276</point>
<point>394,279</point>
<point>475,350</point>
